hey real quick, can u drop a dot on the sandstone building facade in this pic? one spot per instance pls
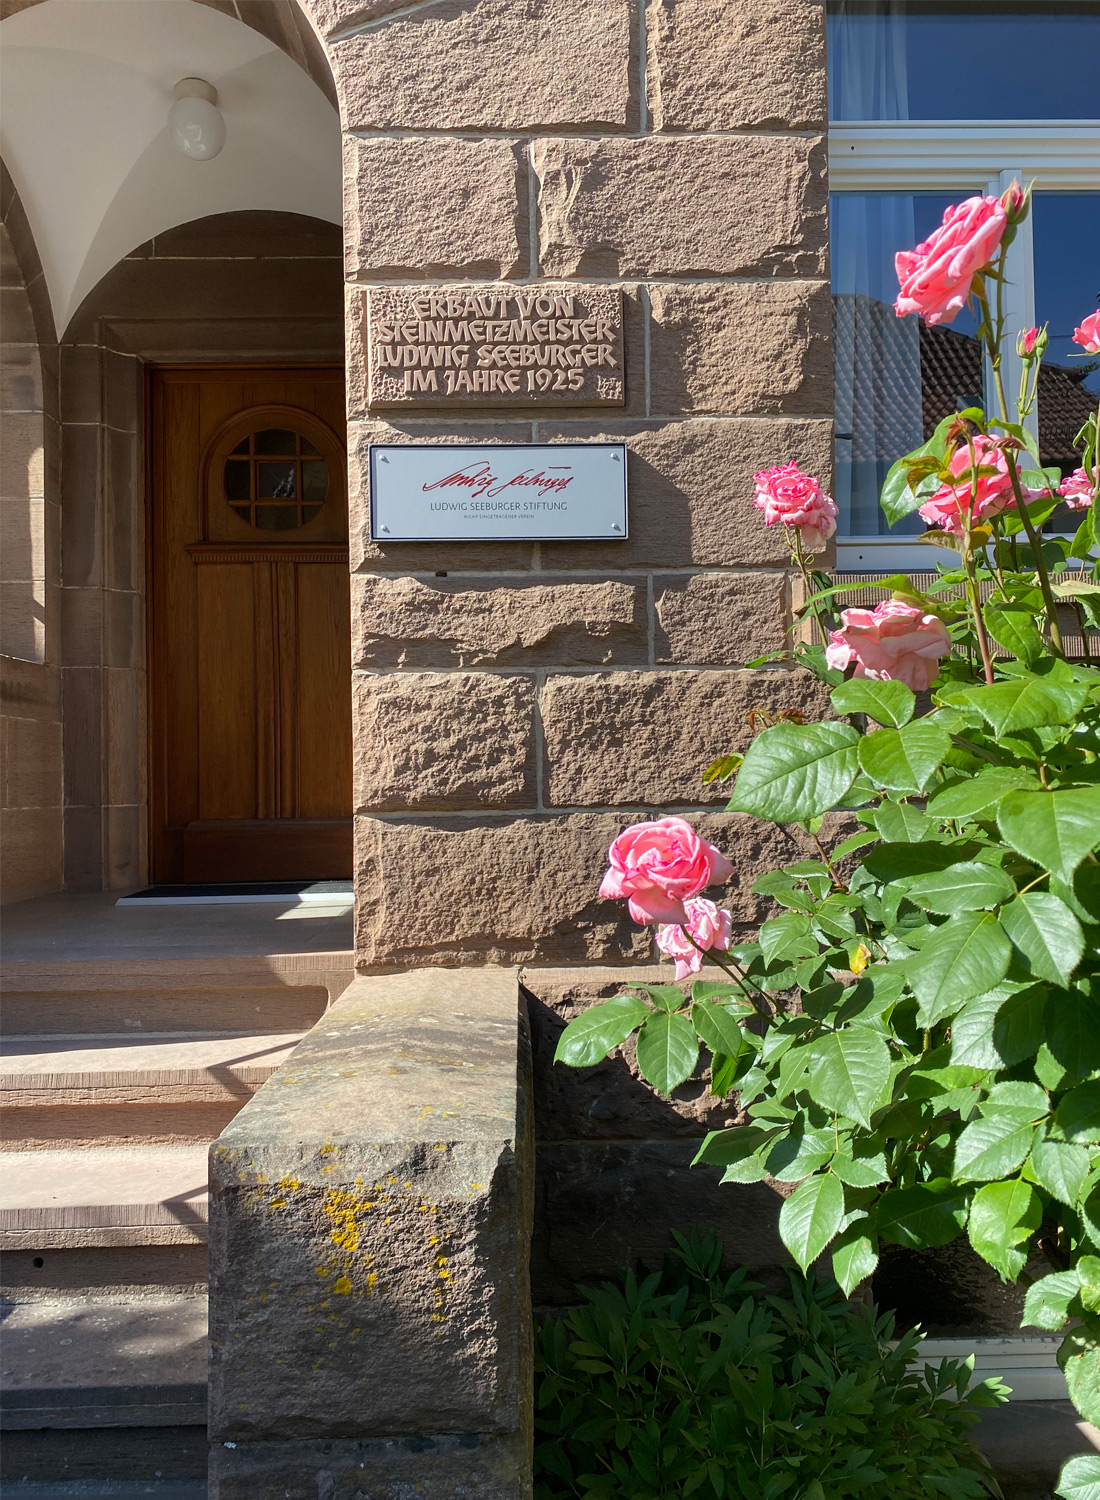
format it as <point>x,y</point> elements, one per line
<point>214,671</point>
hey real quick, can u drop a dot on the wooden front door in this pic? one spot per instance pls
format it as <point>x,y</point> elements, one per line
<point>250,653</point>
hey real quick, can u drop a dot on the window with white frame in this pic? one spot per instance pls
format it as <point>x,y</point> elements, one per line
<point>931,102</point>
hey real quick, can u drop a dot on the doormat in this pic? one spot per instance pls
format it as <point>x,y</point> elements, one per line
<point>286,892</point>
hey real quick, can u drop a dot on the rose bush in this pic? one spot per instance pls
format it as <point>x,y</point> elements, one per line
<point>914,1036</point>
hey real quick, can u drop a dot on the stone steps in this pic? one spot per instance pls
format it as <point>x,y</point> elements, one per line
<point>124,1089</point>
<point>80,1197</point>
<point>105,1361</point>
<point>115,1076</point>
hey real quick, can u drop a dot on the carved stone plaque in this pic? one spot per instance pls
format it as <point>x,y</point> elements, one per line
<point>495,345</point>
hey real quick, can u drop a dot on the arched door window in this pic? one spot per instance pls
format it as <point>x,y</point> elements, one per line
<point>275,474</point>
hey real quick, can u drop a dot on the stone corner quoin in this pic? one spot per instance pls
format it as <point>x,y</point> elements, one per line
<point>518,702</point>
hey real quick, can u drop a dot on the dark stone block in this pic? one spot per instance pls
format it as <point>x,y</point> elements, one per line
<point>950,1292</point>
<point>463,1466</point>
<point>599,1208</point>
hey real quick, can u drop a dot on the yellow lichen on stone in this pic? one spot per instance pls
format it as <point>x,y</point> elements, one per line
<point>342,1286</point>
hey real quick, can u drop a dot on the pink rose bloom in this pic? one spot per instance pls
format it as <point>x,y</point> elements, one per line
<point>1088,334</point>
<point>1027,340</point>
<point>893,642</point>
<point>957,507</point>
<point>786,494</point>
<point>935,277</point>
<point>1078,490</point>
<point>707,925</point>
<point>1014,199</point>
<point>659,866</point>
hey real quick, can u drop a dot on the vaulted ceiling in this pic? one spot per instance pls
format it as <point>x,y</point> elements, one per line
<point>86,89</point>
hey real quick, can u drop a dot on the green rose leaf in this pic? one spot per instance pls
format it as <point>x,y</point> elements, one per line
<point>992,1146</point>
<point>787,937</point>
<point>1061,1168</point>
<point>664,996</point>
<point>792,772</point>
<point>725,1148</point>
<point>1014,629</point>
<point>811,1217</point>
<point>796,1155</point>
<point>1080,1478</point>
<point>965,799</point>
<point>1003,1216</point>
<point>1047,1302</point>
<point>1027,702</point>
<point>904,760</point>
<point>1078,1113</point>
<point>1079,1358</point>
<point>968,955</point>
<point>890,703</point>
<point>717,1027</point>
<point>849,1071</point>
<point>668,1050</point>
<point>710,989</point>
<point>1088,1274</point>
<point>854,1258</point>
<point>1072,1030</point>
<point>963,887</point>
<point>922,1217</point>
<point>860,1171</point>
<point>1047,934</point>
<point>979,1030</point>
<point>1055,829</point>
<point>590,1036</point>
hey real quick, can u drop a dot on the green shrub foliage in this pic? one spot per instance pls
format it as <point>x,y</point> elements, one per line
<point>914,1037</point>
<point>686,1382</point>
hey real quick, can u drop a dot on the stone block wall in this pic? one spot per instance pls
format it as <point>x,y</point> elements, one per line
<point>518,703</point>
<point>30,686</point>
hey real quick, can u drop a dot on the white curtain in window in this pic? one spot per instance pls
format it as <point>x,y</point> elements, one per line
<point>868,79</point>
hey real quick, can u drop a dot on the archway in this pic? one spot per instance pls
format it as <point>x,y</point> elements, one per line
<point>149,258</point>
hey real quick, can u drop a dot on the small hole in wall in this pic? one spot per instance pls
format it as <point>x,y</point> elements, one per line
<point>38,1262</point>
<point>441,575</point>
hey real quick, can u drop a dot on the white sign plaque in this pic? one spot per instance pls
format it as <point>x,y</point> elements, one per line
<point>432,492</point>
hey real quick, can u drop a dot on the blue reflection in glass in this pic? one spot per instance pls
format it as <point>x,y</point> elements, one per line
<point>890,60</point>
<point>1067,274</point>
<point>895,378</point>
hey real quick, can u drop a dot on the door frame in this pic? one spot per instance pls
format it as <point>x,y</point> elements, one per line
<point>156,676</point>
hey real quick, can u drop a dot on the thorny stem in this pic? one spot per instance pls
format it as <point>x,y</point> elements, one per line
<point>979,622</point>
<point>829,865</point>
<point>796,552</point>
<point>993,336</point>
<point>1084,630</point>
<point>971,575</point>
<point>740,979</point>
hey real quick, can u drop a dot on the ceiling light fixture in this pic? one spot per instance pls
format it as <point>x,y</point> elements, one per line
<point>194,122</point>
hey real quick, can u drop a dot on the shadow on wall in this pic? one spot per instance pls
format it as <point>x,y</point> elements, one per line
<point>613,1179</point>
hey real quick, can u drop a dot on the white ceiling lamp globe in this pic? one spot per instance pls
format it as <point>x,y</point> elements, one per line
<point>194,122</point>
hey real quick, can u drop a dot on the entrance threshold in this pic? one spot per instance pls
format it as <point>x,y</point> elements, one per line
<point>331,893</point>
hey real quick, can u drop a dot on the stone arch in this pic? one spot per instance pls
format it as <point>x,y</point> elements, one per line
<point>27,330</point>
<point>243,277</point>
<point>30,705</point>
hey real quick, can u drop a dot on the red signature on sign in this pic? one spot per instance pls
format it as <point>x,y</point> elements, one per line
<point>479,480</point>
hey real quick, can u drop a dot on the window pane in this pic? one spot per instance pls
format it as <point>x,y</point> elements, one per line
<point>275,440</point>
<point>895,377</point>
<point>926,60</point>
<point>276,481</point>
<point>238,477</point>
<point>314,480</point>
